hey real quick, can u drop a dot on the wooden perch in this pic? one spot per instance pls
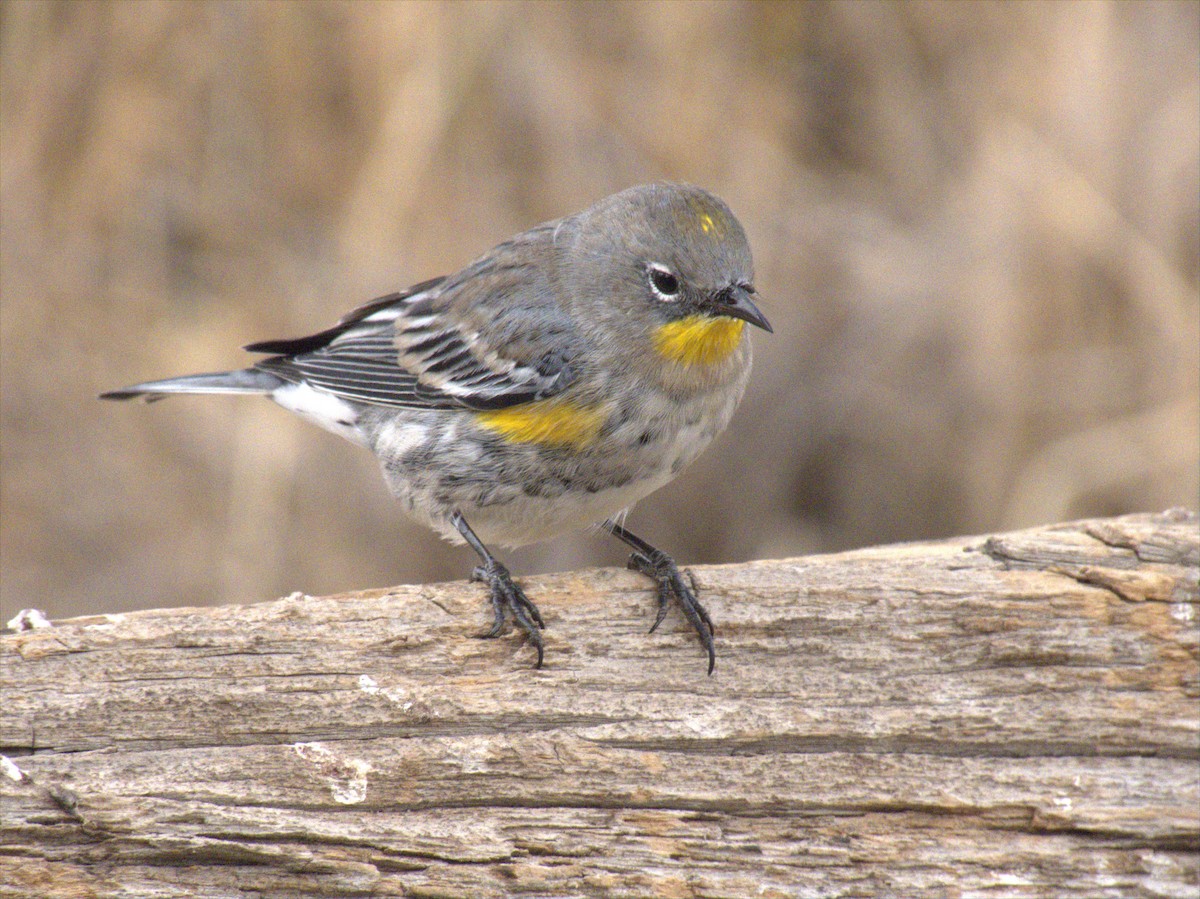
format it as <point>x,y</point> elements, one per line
<point>1014,715</point>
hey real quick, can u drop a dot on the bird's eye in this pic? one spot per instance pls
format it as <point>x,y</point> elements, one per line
<point>663,282</point>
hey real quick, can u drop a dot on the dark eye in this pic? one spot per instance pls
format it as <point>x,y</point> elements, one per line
<point>663,282</point>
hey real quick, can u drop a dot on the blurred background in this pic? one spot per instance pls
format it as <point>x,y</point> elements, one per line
<point>976,226</point>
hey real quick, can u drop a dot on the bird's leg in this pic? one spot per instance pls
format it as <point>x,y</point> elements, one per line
<point>657,564</point>
<point>506,595</point>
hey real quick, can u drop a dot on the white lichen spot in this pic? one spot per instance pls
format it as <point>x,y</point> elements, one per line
<point>28,620</point>
<point>395,695</point>
<point>1183,611</point>
<point>346,778</point>
<point>10,769</point>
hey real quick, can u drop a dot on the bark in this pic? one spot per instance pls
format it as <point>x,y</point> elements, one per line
<point>1014,715</point>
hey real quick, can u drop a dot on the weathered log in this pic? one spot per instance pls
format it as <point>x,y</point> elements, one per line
<point>1015,715</point>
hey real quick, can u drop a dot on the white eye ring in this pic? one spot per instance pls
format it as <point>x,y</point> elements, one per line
<point>664,282</point>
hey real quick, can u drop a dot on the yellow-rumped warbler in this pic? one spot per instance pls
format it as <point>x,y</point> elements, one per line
<point>548,385</point>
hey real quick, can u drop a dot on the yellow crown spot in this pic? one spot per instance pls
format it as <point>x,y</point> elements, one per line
<point>551,422</point>
<point>711,220</point>
<point>699,339</point>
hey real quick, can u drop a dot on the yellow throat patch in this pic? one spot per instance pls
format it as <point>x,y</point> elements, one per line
<point>699,339</point>
<point>551,422</point>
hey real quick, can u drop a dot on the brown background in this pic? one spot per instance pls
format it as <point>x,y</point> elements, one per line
<point>977,230</point>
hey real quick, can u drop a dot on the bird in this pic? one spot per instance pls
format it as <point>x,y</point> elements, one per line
<point>547,386</point>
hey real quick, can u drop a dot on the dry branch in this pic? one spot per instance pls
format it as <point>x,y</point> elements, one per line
<point>1016,715</point>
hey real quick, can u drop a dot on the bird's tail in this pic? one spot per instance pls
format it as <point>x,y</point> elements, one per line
<point>246,380</point>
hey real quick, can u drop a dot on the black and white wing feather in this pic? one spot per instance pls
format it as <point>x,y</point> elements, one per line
<point>489,337</point>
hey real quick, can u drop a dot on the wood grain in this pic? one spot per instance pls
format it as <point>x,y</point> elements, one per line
<point>1014,715</point>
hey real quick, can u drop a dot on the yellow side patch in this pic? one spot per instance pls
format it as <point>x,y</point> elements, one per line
<point>551,422</point>
<point>699,339</point>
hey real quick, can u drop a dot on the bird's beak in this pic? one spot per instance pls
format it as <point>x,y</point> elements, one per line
<point>735,302</point>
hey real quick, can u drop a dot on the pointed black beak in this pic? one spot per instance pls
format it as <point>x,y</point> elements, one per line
<point>735,302</point>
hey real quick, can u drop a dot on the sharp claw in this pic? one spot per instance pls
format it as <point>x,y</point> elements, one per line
<point>664,599</point>
<point>699,619</point>
<point>658,565</point>
<point>506,595</point>
<point>671,584</point>
<point>534,613</point>
<point>509,598</point>
<point>521,607</point>
<point>537,643</point>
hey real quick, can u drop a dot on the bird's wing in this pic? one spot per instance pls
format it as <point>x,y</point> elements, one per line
<point>488,337</point>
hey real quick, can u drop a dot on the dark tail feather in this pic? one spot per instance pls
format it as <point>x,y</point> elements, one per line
<point>246,380</point>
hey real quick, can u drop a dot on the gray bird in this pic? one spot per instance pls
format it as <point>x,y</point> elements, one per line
<point>547,386</point>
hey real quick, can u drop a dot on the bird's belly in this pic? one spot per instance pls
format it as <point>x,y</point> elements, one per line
<point>525,519</point>
<point>513,494</point>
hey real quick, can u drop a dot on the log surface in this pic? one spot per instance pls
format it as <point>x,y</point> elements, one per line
<point>1014,715</point>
